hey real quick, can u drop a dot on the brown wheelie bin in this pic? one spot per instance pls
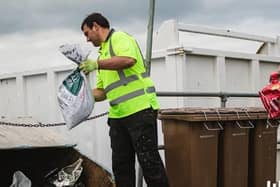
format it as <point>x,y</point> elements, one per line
<point>191,147</point>
<point>262,154</point>
<point>224,147</point>
<point>234,147</point>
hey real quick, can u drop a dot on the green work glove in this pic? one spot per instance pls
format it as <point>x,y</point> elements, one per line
<point>88,66</point>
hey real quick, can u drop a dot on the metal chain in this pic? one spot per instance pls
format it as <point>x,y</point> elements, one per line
<point>47,124</point>
<point>97,116</point>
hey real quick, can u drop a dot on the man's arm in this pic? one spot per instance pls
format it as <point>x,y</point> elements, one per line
<point>116,63</point>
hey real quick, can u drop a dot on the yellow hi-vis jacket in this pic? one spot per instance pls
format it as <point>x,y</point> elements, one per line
<point>128,90</point>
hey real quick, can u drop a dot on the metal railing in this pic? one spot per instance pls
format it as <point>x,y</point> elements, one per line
<point>222,95</point>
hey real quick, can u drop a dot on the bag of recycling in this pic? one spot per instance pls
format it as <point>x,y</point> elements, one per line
<point>270,96</point>
<point>74,94</point>
<point>67,176</point>
<point>20,180</point>
<point>75,52</point>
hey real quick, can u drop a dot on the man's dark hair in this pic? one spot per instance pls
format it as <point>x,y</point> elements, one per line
<point>95,17</point>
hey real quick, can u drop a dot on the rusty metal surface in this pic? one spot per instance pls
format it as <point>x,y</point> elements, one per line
<point>21,137</point>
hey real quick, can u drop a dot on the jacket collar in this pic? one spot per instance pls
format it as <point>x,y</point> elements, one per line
<point>108,37</point>
<point>110,34</point>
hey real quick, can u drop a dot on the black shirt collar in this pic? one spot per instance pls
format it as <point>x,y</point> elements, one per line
<point>108,37</point>
<point>110,34</point>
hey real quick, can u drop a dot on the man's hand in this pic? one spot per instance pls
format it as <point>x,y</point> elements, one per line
<point>88,66</point>
<point>99,94</point>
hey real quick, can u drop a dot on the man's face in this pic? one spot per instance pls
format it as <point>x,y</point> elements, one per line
<point>92,35</point>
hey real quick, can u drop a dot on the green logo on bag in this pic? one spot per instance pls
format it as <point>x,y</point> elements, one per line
<point>74,82</point>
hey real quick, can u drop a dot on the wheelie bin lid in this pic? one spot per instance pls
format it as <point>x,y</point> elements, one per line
<point>213,114</point>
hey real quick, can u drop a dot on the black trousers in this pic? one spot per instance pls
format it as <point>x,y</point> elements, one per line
<point>136,133</point>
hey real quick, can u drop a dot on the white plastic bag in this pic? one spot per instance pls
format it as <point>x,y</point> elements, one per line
<point>74,94</point>
<point>75,52</point>
<point>67,176</point>
<point>75,99</point>
<point>20,180</point>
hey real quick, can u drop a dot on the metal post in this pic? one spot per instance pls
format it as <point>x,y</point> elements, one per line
<point>150,36</point>
<point>148,63</point>
<point>140,177</point>
<point>223,100</point>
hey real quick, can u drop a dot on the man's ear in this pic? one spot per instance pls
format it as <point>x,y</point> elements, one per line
<point>95,26</point>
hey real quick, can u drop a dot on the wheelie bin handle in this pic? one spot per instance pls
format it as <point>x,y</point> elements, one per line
<point>220,127</point>
<point>269,124</point>
<point>251,125</point>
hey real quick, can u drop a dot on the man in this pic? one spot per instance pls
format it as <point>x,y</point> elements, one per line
<point>122,79</point>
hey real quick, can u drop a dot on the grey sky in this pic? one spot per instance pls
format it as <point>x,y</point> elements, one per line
<point>33,29</point>
<point>34,15</point>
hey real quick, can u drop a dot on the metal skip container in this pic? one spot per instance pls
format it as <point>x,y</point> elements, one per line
<point>218,147</point>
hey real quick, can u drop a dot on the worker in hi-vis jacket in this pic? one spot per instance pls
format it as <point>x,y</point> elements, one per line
<point>121,78</point>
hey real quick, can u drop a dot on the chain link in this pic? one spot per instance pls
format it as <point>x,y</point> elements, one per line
<point>47,124</point>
